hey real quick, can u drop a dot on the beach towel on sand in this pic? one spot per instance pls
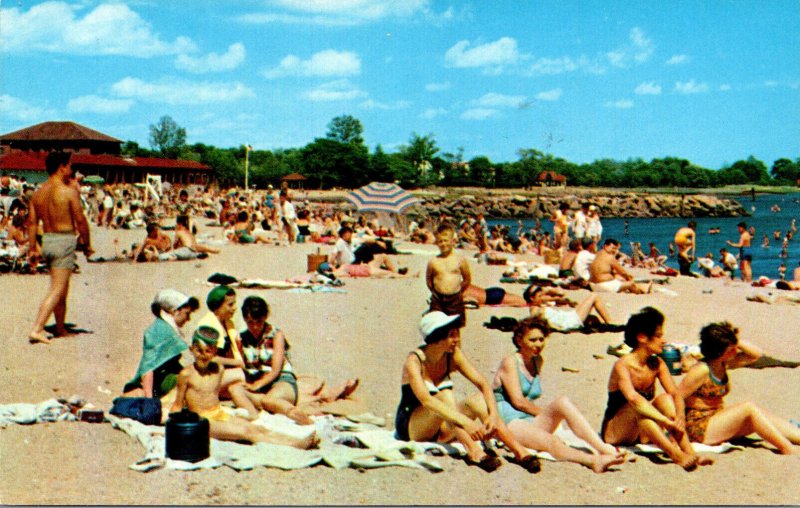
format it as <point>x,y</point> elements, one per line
<point>343,444</point>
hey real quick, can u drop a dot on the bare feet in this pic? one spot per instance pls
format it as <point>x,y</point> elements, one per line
<point>687,462</point>
<point>349,387</point>
<point>704,461</point>
<point>605,461</point>
<point>308,442</point>
<point>38,338</point>
<point>299,416</point>
<point>63,332</point>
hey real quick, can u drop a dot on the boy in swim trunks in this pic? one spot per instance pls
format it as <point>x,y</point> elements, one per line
<point>448,275</point>
<point>198,390</point>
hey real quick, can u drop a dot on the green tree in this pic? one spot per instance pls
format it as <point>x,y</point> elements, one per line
<point>379,166</point>
<point>420,150</point>
<point>481,171</point>
<point>227,168</point>
<point>167,137</point>
<point>785,171</point>
<point>346,129</point>
<point>753,169</point>
<point>330,163</point>
<point>132,149</point>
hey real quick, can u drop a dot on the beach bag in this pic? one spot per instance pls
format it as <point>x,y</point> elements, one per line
<point>142,409</point>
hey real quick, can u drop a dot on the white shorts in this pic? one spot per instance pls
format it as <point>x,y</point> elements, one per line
<point>609,286</point>
<point>563,320</point>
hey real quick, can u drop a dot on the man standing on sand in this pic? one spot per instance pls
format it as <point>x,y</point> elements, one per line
<point>607,275</point>
<point>685,241</point>
<point>58,205</point>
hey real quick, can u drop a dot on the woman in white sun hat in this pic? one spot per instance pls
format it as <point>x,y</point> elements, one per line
<point>428,410</point>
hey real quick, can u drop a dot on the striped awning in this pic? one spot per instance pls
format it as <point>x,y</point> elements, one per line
<point>381,197</point>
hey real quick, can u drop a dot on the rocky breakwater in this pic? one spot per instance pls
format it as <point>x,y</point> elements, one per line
<point>627,204</point>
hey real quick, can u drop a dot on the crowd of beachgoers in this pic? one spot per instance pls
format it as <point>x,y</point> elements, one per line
<point>251,369</point>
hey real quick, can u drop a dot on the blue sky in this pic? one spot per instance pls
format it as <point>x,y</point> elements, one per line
<point>710,81</point>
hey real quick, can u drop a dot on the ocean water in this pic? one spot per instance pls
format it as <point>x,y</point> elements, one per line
<point>661,231</point>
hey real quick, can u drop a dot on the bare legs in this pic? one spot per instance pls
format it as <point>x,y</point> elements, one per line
<point>593,301</point>
<point>239,429</point>
<point>746,418</point>
<point>54,303</point>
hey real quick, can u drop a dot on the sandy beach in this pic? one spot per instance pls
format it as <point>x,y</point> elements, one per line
<point>365,333</point>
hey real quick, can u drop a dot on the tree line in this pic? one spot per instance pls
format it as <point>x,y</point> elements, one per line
<point>341,159</point>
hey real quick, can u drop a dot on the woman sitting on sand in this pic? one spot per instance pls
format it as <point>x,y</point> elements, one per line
<point>633,413</point>
<point>243,231</point>
<point>428,411</point>
<point>162,346</point>
<point>271,380</point>
<point>706,384</point>
<point>517,386</point>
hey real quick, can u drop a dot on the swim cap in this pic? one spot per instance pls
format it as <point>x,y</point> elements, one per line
<point>216,296</point>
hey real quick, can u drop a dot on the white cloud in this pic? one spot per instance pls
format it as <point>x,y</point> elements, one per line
<point>18,109</point>
<point>677,59</point>
<point>373,104</point>
<point>108,29</point>
<point>212,62</point>
<point>339,90</point>
<point>438,87</point>
<point>101,105</point>
<point>724,87</point>
<point>620,104</point>
<point>479,114</point>
<point>495,100</point>
<point>341,12</point>
<point>648,88</point>
<point>172,91</point>
<point>433,113</point>
<point>548,66</point>
<point>550,95</point>
<point>491,56</point>
<point>771,83</point>
<point>327,63</point>
<point>639,49</point>
<point>690,87</point>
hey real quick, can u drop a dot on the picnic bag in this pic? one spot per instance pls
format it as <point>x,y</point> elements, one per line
<point>142,409</point>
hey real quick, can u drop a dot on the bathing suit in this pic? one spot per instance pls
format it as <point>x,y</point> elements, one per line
<point>712,390</point>
<point>616,401</point>
<point>609,286</point>
<point>258,361</point>
<point>409,401</point>
<point>531,390</point>
<point>360,270</point>
<point>745,254</point>
<point>59,250</point>
<point>450,305</point>
<point>494,295</point>
<point>244,236</point>
<point>303,229</point>
<point>215,415</point>
<point>563,320</point>
<point>563,274</point>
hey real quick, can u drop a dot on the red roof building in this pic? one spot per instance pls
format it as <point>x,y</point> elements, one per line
<point>23,152</point>
<point>551,178</point>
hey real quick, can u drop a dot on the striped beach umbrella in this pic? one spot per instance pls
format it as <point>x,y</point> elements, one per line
<point>381,197</point>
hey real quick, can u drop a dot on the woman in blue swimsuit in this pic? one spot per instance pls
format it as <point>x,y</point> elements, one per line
<point>428,411</point>
<point>517,387</point>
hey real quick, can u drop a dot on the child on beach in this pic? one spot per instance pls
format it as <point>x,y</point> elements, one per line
<point>517,387</point>
<point>706,384</point>
<point>448,275</point>
<point>633,413</point>
<point>198,389</point>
